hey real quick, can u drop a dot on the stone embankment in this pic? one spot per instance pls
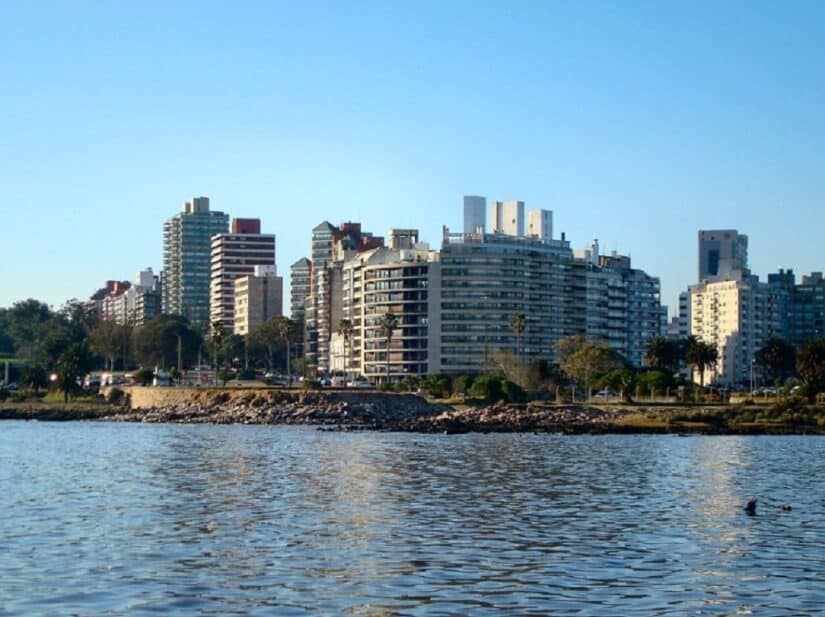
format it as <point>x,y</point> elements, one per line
<point>352,409</point>
<point>355,410</point>
<point>504,417</point>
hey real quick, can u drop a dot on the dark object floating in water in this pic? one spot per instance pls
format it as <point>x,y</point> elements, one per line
<point>751,507</point>
<point>786,507</point>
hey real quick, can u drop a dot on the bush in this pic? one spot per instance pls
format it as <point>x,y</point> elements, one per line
<point>225,376</point>
<point>462,384</point>
<point>115,396</point>
<point>143,377</point>
<point>311,384</point>
<point>437,385</point>
<point>487,388</point>
<point>247,374</point>
<point>513,393</point>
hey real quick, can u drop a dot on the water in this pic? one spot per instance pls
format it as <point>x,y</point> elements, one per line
<point>117,519</point>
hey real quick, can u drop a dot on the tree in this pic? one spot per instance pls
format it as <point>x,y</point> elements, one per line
<point>156,342</point>
<point>566,347</point>
<point>388,324</point>
<point>346,329</point>
<point>34,377</point>
<point>700,356</point>
<point>777,357</point>
<point>663,353</point>
<point>286,331</point>
<point>619,380</point>
<point>591,362</point>
<point>810,363</point>
<point>110,340</point>
<point>24,323</point>
<point>72,365</point>
<point>518,323</point>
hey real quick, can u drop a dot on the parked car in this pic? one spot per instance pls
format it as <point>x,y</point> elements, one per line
<point>360,383</point>
<point>11,387</point>
<point>338,382</point>
<point>604,395</point>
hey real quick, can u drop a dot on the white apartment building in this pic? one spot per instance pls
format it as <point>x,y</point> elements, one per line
<point>737,316</point>
<point>402,281</point>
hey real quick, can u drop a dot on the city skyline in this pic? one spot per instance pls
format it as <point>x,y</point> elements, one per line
<point>636,126</point>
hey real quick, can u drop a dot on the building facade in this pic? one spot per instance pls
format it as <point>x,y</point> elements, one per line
<point>233,255</point>
<point>737,316</point>
<point>187,249</point>
<point>403,280</point>
<point>331,247</point>
<point>258,297</point>
<point>488,278</point>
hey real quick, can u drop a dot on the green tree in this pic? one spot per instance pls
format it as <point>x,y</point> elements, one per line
<point>663,353</point>
<point>777,358</point>
<point>810,363</point>
<point>25,323</point>
<point>388,324</point>
<point>156,342</point>
<point>34,377</point>
<point>71,367</point>
<point>591,362</point>
<point>286,331</point>
<point>621,380</point>
<point>518,323</point>
<point>346,329</point>
<point>700,356</point>
<point>566,347</point>
<point>111,340</point>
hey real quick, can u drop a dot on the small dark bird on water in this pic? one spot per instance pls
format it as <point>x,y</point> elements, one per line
<point>751,507</point>
<point>786,507</point>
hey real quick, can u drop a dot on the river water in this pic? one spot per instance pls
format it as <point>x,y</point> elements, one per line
<point>131,519</point>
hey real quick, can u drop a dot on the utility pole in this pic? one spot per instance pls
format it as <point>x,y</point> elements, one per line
<point>180,348</point>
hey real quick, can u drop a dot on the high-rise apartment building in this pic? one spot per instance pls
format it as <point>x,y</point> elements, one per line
<point>737,316</point>
<point>402,280</point>
<point>187,249</point>
<point>803,304</point>
<point>722,252</point>
<point>507,217</point>
<point>488,278</point>
<point>300,276</point>
<point>257,298</point>
<point>475,214</point>
<point>233,255</point>
<point>132,303</point>
<point>331,246</point>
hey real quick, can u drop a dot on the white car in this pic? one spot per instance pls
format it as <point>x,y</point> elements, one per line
<point>360,383</point>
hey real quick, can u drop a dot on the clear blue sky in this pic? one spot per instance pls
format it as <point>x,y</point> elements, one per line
<point>635,123</point>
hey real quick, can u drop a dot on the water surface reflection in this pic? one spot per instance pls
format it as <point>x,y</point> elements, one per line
<point>133,519</point>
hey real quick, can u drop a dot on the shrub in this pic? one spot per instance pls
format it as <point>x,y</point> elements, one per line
<point>246,374</point>
<point>311,384</point>
<point>115,396</point>
<point>437,385</point>
<point>513,393</point>
<point>462,384</point>
<point>143,377</point>
<point>487,388</point>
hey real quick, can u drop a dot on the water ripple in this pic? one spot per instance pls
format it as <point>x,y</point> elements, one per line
<point>138,520</point>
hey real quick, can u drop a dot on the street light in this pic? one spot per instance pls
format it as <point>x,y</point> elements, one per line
<point>753,361</point>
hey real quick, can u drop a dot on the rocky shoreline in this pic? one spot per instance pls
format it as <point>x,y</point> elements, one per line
<point>355,411</point>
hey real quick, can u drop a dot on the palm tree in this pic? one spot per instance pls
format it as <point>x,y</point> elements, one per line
<point>286,331</point>
<point>777,357</point>
<point>388,324</point>
<point>346,329</point>
<point>518,323</point>
<point>662,353</point>
<point>701,356</point>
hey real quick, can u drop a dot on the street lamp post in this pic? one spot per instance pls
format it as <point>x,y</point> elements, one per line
<point>753,361</point>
